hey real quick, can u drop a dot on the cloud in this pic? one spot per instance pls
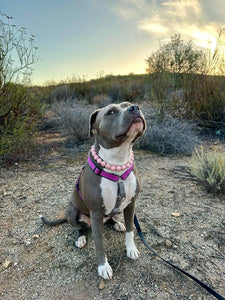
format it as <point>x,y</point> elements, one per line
<point>163,18</point>
<point>154,27</point>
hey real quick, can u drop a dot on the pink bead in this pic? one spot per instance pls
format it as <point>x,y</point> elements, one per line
<point>132,159</point>
<point>96,157</point>
<point>124,167</point>
<point>118,168</point>
<point>113,168</point>
<point>93,147</point>
<point>99,160</point>
<point>103,163</point>
<point>93,153</point>
<point>128,165</point>
<point>108,166</point>
<point>131,162</point>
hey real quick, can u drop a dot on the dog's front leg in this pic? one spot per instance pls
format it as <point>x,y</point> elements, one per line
<point>132,251</point>
<point>104,269</point>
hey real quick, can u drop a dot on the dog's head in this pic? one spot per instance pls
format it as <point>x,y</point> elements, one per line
<point>117,123</point>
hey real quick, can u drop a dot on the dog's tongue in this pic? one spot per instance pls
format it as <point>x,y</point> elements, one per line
<point>136,126</point>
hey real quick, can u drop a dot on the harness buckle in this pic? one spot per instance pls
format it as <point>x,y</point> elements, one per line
<point>121,193</point>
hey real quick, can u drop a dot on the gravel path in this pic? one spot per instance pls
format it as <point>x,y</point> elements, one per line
<point>180,220</point>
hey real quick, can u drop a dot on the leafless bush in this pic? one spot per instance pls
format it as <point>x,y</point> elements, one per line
<point>167,135</point>
<point>73,119</point>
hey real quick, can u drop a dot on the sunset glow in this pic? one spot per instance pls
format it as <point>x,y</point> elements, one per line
<point>116,37</point>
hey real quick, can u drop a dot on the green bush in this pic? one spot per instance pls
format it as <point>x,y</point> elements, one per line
<point>209,168</point>
<point>20,112</point>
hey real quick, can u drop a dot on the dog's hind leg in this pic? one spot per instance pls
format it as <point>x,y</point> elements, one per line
<point>79,220</point>
<point>81,241</point>
<point>84,223</point>
<point>119,226</point>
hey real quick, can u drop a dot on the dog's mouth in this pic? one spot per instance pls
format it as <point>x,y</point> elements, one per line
<point>138,120</point>
<point>135,123</point>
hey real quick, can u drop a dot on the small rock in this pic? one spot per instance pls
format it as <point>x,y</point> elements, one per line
<point>101,285</point>
<point>27,242</point>
<point>35,236</point>
<point>175,214</point>
<point>6,264</point>
<point>169,244</point>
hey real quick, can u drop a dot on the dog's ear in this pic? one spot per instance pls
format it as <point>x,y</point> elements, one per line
<point>92,122</point>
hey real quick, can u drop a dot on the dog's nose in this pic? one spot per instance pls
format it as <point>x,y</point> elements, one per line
<point>133,109</point>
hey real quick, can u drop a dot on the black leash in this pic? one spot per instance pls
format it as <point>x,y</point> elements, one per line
<point>211,291</point>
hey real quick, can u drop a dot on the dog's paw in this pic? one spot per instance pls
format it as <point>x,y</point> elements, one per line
<point>133,252</point>
<point>81,242</point>
<point>105,271</point>
<point>119,227</point>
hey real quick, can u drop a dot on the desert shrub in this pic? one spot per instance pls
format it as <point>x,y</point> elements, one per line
<point>20,112</point>
<point>60,93</point>
<point>117,88</point>
<point>177,57</point>
<point>136,90</point>
<point>178,66</point>
<point>204,97</point>
<point>167,135</point>
<point>171,65</point>
<point>20,109</point>
<point>101,100</point>
<point>116,92</point>
<point>209,167</point>
<point>73,119</point>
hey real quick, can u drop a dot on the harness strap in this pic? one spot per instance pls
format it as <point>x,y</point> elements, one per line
<point>202,284</point>
<point>121,193</point>
<point>77,187</point>
<point>110,176</point>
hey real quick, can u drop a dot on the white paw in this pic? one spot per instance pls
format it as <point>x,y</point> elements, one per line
<point>81,242</point>
<point>105,271</point>
<point>119,227</point>
<point>132,251</point>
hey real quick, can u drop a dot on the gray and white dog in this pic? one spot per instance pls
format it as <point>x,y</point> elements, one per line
<point>108,183</point>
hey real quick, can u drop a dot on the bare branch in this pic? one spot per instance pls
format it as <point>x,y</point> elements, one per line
<point>17,52</point>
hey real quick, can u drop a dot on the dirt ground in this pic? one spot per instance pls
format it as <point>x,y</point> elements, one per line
<point>38,262</point>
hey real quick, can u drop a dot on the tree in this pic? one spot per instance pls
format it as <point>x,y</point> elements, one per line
<point>177,57</point>
<point>17,52</point>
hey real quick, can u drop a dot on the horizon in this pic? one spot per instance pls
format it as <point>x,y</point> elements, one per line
<point>86,39</point>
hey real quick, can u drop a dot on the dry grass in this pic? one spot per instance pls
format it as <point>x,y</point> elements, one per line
<point>209,167</point>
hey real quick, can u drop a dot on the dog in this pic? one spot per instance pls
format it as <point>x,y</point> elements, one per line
<point>108,183</point>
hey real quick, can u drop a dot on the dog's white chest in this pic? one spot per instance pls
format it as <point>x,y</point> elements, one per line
<point>109,192</point>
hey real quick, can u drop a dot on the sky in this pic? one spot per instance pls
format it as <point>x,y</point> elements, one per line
<point>91,38</point>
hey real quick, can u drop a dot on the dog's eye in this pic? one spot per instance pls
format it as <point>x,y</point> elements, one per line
<point>111,112</point>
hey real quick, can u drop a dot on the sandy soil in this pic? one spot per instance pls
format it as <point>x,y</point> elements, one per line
<point>38,262</point>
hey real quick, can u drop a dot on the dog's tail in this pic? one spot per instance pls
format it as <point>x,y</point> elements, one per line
<point>53,223</point>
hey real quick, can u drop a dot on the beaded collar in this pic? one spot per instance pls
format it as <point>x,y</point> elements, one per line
<point>108,166</point>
